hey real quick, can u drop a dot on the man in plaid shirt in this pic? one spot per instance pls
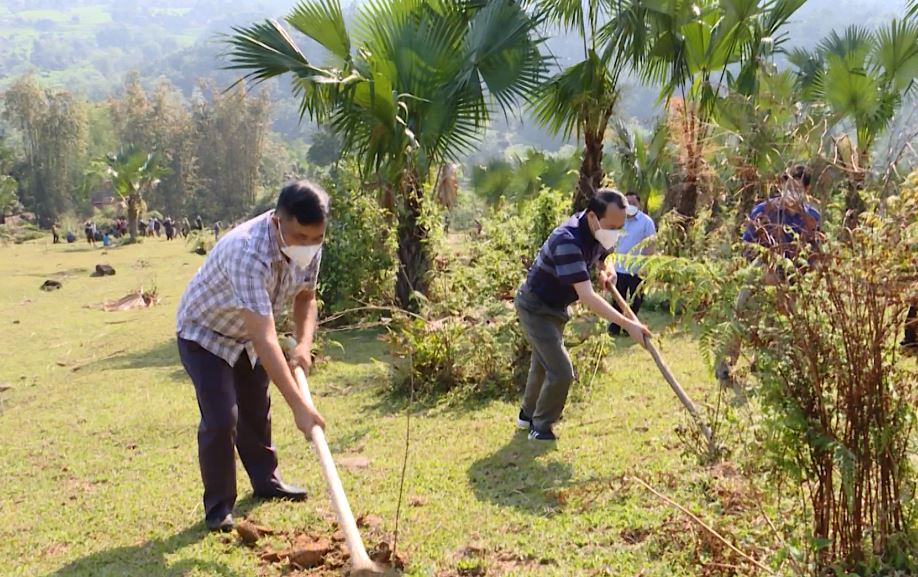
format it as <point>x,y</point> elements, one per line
<point>229,346</point>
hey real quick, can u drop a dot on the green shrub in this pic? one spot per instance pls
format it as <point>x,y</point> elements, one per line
<point>466,339</point>
<point>358,258</point>
<point>20,232</point>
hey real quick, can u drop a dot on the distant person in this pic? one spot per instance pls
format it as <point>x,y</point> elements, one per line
<point>228,344</point>
<point>89,228</point>
<point>169,227</point>
<point>199,223</point>
<point>784,223</point>
<point>157,227</point>
<point>216,231</point>
<point>55,237</point>
<point>151,227</point>
<point>142,227</point>
<point>106,240</point>
<point>639,228</point>
<point>71,238</point>
<point>186,227</point>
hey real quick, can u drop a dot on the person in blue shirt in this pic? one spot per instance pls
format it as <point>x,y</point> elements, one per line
<point>786,218</point>
<point>559,277</point>
<point>783,223</point>
<point>630,250</point>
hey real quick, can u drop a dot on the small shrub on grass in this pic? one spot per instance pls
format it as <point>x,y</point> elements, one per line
<point>20,232</point>
<point>358,257</point>
<point>200,241</point>
<point>467,338</point>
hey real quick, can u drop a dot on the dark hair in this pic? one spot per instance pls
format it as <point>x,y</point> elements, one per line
<point>603,198</point>
<point>305,201</point>
<point>632,193</point>
<point>800,173</point>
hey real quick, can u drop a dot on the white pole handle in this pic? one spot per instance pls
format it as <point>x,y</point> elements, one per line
<point>359,557</point>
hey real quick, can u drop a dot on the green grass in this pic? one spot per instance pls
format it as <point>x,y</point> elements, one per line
<point>99,465</point>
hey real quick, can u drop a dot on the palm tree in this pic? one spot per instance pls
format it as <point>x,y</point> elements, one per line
<point>860,78</point>
<point>409,85</point>
<point>640,161</point>
<point>131,173</point>
<point>581,98</point>
<point>523,177</point>
<point>698,51</point>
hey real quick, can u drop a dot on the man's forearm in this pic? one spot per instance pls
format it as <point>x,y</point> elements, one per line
<point>305,315</point>
<point>272,359</point>
<point>598,305</point>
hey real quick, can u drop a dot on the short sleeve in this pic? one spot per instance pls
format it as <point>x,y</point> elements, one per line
<point>570,264</point>
<point>248,277</point>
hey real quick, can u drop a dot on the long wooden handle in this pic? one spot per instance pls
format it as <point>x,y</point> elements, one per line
<point>359,557</point>
<point>661,364</point>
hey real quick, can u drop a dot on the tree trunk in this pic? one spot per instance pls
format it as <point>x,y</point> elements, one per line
<point>854,202</point>
<point>133,213</point>
<point>413,259</point>
<point>590,170</point>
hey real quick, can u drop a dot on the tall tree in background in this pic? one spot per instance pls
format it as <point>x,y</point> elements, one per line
<point>581,98</point>
<point>860,78</point>
<point>230,133</point>
<point>132,173</point>
<point>696,51</point>
<point>53,128</point>
<point>410,87</point>
<point>160,122</point>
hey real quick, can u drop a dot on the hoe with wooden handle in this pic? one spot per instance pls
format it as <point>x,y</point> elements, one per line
<point>361,564</point>
<point>667,374</point>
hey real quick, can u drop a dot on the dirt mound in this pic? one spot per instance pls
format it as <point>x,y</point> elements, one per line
<point>302,553</point>
<point>50,285</point>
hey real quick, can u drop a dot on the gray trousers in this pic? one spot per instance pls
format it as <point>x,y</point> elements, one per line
<point>550,371</point>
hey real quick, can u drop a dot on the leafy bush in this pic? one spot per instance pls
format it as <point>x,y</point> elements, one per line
<point>20,232</point>
<point>201,241</point>
<point>466,339</point>
<point>837,399</point>
<point>358,258</point>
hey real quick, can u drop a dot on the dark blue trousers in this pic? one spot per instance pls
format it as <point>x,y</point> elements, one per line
<point>235,410</point>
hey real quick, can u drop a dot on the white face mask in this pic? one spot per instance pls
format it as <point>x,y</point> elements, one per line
<point>631,210</point>
<point>607,237</point>
<point>301,255</point>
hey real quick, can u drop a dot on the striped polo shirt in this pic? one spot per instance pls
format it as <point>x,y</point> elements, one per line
<point>563,261</point>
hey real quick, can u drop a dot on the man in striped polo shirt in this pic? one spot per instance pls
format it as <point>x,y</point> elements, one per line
<point>560,277</point>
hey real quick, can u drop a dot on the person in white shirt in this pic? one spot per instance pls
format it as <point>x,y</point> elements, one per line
<point>629,252</point>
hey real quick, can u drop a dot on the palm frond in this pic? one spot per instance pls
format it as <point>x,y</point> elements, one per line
<point>323,21</point>
<point>266,50</point>
<point>896,53</point>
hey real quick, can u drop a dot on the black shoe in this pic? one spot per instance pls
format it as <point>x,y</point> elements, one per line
<point>223,525</point>
<point>282,490</point>
<point>523,421</point>
<point>537,435</point>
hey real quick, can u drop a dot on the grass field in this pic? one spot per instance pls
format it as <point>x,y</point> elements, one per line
<point>99,462</point>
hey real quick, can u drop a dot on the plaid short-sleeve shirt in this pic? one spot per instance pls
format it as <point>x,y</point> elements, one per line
<point>246,270</point>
